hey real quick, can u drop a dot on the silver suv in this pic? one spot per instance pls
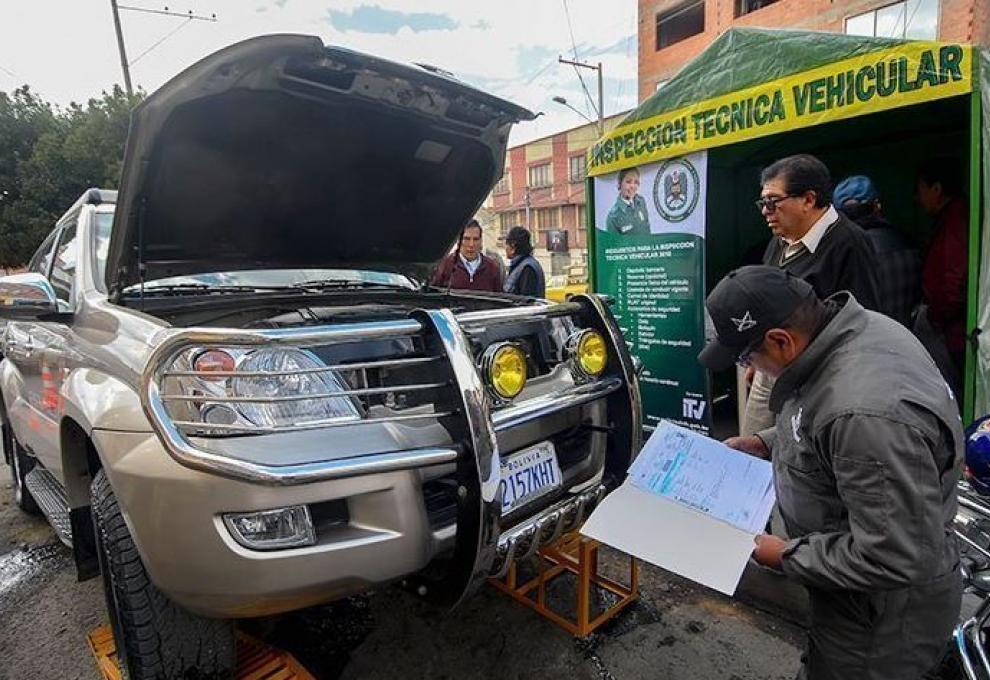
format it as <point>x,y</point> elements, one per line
<point>229,393</point>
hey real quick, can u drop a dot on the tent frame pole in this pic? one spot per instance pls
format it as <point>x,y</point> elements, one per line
<point>975,205</point>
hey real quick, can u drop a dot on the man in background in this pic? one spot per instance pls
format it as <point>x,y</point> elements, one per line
<point>525,271</point>
<point>812,241</point>
<point>898,264</point>
<point>942,326</point>
<point>467,267</point>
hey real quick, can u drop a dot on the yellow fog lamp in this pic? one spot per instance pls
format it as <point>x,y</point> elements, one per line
<point>504,368</point>
<point>589,354</point>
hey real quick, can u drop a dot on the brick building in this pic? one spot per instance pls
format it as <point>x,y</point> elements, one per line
<point>672,32</point>
<point>543,189</point>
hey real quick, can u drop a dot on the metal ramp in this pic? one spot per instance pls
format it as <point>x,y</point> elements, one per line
<point>255,659</point>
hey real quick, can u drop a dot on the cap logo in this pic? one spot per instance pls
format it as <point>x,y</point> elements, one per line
<point>745,323</point>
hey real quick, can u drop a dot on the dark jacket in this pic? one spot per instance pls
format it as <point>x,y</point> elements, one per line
<point>843,260</point>
<point>898,268</point>
<point>486,277</point>
<point>866,454</point>
<point>526,277</point>
<point>945,273</point>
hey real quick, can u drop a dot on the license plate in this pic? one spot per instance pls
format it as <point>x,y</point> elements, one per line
<point>529,474</point>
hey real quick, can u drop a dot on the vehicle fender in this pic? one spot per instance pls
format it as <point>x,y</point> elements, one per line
<point>96,400</point>
<point>11,385</point>
<point>8,381</point>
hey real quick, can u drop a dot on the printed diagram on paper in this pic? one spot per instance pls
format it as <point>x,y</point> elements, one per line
<point>706,476</point>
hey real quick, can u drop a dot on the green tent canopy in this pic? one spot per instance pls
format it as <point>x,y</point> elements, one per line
<point>743,57</point>
<point>864,105</point>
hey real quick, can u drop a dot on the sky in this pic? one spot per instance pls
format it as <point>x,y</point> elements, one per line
<point>66,50</point>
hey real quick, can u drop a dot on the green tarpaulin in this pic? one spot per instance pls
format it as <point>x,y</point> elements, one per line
<point>740,61</point>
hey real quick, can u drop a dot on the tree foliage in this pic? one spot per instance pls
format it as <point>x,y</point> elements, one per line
<point>49,156</point>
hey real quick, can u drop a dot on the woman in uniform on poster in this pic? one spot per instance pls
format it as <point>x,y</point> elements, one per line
<point>628,215</point>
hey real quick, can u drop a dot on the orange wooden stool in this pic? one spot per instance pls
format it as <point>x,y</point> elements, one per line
<point>578,555</point>
<point>255,659</point>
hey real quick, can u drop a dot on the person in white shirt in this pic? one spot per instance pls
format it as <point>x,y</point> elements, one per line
<point>467,267</point>
<point>813,241</point>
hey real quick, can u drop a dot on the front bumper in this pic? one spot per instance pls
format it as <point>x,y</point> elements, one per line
<point>389,533</point>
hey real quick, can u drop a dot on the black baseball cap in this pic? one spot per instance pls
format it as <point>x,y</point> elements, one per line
<point>744,306</point>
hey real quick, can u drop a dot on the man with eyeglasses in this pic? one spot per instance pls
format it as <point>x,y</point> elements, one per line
<point>866,453</point>
<point>813,241</point>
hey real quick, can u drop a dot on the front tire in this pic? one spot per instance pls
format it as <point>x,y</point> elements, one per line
<point>20,465</point>
<point>156,639</point>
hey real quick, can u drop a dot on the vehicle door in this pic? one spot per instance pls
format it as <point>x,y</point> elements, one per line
<point>19,348</point>
<point>51,344</point>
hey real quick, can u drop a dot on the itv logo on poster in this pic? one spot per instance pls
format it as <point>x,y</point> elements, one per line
<point>693,408</point>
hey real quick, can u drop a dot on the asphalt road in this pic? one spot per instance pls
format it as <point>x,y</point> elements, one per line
<point>676,630</point>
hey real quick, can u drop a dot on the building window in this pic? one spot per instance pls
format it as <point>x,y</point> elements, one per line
<point>502,186</point>
<point>543,219</point>
<point>578,168</point>
<point>680,23</point>
<point>747,6</point>
<point>539,176</point>
<point>915,19</point>
<point>582,217</point>
<point>506,221</point>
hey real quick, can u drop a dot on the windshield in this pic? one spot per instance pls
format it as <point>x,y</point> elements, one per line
<point>261,278</point>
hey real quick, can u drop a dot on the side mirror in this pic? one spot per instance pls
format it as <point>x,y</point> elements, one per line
<point>26,296</point>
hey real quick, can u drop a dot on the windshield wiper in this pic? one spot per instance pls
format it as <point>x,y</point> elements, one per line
<point>323,284</point>
<point>206,288</point>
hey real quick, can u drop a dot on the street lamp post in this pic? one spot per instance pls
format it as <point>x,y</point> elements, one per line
<point>563,102</point>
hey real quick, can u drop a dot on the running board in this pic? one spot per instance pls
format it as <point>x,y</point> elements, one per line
<point>50,497</point>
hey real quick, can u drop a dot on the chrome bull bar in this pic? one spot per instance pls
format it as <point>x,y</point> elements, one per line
<point>967,637</point>
<point>484,552</point>
<point>523,541</point>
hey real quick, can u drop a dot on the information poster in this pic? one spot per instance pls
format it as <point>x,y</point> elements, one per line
<point>650,256</point>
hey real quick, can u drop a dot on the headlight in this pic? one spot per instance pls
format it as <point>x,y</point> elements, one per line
<point>297,388</point>
<point>504,369</point>
<point>589,354</point>
<point>298,395</point>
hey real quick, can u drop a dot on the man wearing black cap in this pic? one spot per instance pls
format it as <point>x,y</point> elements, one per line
<point>866,452</point>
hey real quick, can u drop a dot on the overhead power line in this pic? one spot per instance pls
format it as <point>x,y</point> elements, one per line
<point>570,29</point>
<point>161,40</point>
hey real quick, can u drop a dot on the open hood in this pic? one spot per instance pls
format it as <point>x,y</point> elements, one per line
<point>280,152</point>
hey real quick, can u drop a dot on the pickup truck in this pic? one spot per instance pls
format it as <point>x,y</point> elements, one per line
<point>231,394</point>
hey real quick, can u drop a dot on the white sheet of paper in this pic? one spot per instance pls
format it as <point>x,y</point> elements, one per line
<point>671,536</point>
<point>689,505</point>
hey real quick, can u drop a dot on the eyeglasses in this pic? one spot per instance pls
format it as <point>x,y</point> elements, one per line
<point>769,203</point>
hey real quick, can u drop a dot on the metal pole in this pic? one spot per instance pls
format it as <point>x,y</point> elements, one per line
<point>601,90</point>
<point>601,103</point>
<point>120,47</point>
